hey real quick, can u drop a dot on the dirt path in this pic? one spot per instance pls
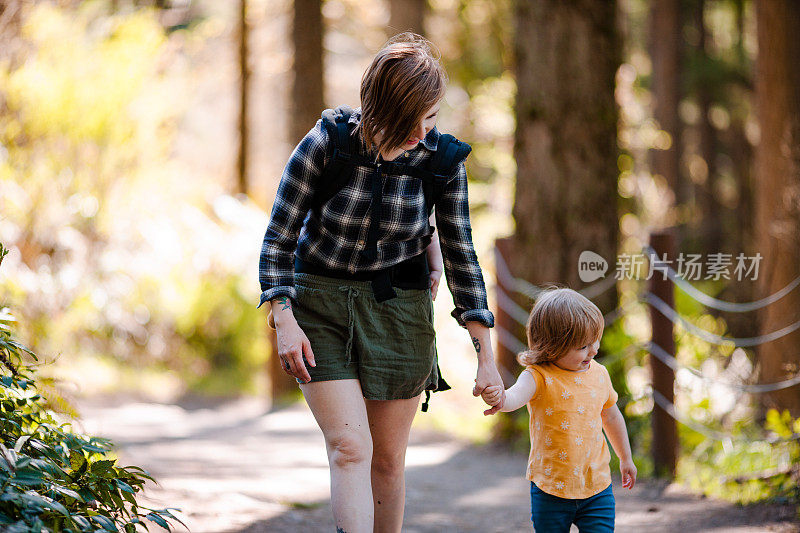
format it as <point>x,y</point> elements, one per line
<point>234,467</point>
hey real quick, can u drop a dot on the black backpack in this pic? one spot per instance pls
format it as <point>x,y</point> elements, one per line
<point>344,157</point>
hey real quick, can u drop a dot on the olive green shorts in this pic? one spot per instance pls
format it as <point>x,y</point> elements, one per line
<point>390,347</point>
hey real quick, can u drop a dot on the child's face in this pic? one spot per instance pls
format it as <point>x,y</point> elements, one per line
<point>578,359</point>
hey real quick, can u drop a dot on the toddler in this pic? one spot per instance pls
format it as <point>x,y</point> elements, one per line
<point>571,403</point>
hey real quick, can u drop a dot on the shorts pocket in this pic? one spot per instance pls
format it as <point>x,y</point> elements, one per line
<point>320,311</point>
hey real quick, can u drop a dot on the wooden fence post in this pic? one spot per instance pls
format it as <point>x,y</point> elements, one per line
<point>665,428</point>
<point>505,356</point>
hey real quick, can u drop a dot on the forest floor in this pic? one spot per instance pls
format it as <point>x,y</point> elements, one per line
<point>238,467</point>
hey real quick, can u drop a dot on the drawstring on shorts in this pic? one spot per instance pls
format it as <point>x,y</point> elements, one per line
<point>352,293</point>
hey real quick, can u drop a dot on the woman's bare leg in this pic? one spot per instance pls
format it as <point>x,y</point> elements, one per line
<point>339,409</point>
<point>390,424</point>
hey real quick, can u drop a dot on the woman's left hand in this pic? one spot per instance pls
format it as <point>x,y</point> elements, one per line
<point>435,277</point>
<point>435,261</point>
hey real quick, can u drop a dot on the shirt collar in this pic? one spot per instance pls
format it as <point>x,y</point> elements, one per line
<point>431,140</point>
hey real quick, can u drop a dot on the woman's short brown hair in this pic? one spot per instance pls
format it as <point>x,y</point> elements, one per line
<point>561,320</point>
<point>404,80</point>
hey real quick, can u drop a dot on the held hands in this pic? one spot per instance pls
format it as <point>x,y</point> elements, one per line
<point>494,395</point>
<point>628,471</point>
<point>489,378</point>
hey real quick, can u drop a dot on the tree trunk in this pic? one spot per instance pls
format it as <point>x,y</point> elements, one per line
<point>306,107</point>
<point>307,82</point>
<point>11,17</point>
<point>665,51</point>
<point>407,15</point>
<point>566,57</point>
<point>778,191</point>
<point>710,222</point>
<point>742,155</point>
<point>244,77</point>
<point>567,54</point>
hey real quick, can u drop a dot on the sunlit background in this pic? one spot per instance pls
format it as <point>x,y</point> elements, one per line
<point>134,253</point>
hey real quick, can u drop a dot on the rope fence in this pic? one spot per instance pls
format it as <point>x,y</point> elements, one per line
<point>713,338</point>
<point>722,305</point>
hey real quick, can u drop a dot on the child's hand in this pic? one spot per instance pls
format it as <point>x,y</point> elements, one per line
<point>494,396</point>
<point>628,471</point>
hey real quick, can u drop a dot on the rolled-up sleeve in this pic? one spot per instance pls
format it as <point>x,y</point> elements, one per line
<point>292,203</point>
<point>463,273</point>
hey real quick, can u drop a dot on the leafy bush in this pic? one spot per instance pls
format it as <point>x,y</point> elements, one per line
<point>620,354</point>
<point>53,479</point>
<point>746,468</point>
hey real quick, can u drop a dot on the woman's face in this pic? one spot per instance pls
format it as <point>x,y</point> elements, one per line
<point>426,125</point>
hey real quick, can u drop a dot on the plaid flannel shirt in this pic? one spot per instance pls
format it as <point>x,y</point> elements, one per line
<point>335,236</point>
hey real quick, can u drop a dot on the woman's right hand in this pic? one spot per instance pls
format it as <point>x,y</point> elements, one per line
<point>293,345</point>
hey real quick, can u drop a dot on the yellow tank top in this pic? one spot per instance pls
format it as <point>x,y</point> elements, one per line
<point>569,454</point>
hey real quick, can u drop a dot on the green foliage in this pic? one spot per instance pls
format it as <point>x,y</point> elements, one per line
<point>117,246</point>
<point>782,424</point>
<point>616,357</point>
<point>513,429</point>
<point>219,322</point>
<point>619,355</point>
<point>52,478</point>
<point>483,41</point>
<point>746,468</point>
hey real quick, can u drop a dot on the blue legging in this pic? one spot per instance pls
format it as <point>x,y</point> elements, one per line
<point>551,514</point>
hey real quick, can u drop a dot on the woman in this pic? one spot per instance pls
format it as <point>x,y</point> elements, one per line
<point>352,327</point>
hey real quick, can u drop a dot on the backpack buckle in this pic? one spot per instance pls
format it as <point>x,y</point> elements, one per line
<point>339,155</point>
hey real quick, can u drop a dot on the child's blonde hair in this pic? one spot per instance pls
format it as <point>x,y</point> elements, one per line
<point>561,320</point>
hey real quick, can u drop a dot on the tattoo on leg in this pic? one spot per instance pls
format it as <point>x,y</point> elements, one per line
<point>477,344</point>
<point>340,530</point>
<point>285,302</point>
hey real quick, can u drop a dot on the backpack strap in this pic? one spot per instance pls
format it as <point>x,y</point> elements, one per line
<point>342,146</point>
<point>343,158</point>
<point>450,152</point>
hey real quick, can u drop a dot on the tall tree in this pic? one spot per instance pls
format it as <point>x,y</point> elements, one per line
<point>566,57</point>
<point>407,15</point>
<point>307,71</point>
<point>567,54</point>
<point>244,84</point>
<point>306,104</point>
<point>665,52</point>
<point>778,191</point>
<point>711,221</point>
<point>11,16</point>
<point>740,149</point>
